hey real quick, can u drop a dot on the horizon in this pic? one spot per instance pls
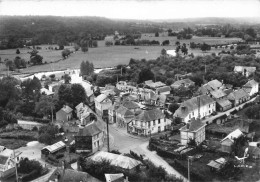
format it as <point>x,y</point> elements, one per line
<point>133,10</point>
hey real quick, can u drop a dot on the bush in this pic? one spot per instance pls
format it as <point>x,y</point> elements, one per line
<point>32,168</point>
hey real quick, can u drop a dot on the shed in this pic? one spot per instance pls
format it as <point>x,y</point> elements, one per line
<point>51,149</point>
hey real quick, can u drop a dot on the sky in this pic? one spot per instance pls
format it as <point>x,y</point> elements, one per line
<point>133,9</point>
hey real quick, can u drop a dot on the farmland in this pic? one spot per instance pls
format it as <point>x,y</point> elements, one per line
<point>104,56</point>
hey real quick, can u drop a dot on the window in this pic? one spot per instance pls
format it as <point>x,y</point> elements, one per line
<point>193,113</point>
<point>159,121</point>
<point>209,105</point>
<point>153,122</point>
<point>189,116</point>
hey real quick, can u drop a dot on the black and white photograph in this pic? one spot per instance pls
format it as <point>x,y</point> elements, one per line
<point>129,90</point>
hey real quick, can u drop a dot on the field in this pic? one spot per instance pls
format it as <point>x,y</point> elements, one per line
<point>103,56</point>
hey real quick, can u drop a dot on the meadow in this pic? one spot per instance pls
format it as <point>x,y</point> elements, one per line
<point>103,56</point>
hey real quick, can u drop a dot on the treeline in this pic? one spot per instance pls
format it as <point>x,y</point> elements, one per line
<point>15,30</point>
<point>137,42</point>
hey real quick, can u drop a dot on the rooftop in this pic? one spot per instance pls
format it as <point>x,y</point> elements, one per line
<point>193,126</point>
<point>55,147</point>
<point>89,130</point>
<point>150,115</point>
<point>66,109</point>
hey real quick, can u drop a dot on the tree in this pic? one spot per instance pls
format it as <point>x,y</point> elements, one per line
<point>184,49</point>
<point>10,65</point>
<point>31,89</point>
<point>78,94</point>
<point>84,43</point>
<point>95,43</point>
<point>19,63</point>
<point>205,47</point>
<point>145,74</point>
<point>76,47</point>
<point>65,94</point>
<point>108,43</point>
<point>163,52</point>
<point>65,53</point>
<point>9,90</point>
<point>157,34</point>
<point>173,107</point>
<point>47,134</point>
<point>67,78</point>
<point>17,51</point>
<point>165,42</point>
<point>35,59</point>
<point>86,68</point>
<point>45,106</point>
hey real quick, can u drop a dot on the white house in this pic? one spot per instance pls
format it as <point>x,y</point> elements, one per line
<point>227,142</point>
<point>195,130</point>
<point>102,104</point>
<point>203,105</point>
<point>121,85</point>
<point>163,90</point>
<point>251,87</point>
<point>7,161</point>
<point>148,122</point>
<point>245,70</point>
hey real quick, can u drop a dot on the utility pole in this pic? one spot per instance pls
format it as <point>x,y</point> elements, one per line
<point>188,169</point>
<point>51,114</point>
<point>16,173</point>
<point>107,137</point>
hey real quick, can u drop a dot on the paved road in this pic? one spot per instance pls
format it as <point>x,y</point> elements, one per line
<point>157,160</point>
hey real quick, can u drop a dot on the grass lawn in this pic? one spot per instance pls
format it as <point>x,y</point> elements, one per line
<point>105,56</point>
<point>13,143</point>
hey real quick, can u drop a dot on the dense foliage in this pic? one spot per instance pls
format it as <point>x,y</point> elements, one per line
<point>47,134</point>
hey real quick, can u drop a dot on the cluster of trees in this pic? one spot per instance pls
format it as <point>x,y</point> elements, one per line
<point>35,58</point>
<point>244,32</point>
<point>183,48</point>
<point>17,63</point>
<point>47,134</point>
<point>31,168</point>
<point>252,112</point>
<point>65,53</point>
<point>186,33</point>
<point>86,68</point>
<point>62,30</point>
<point>137,42</point>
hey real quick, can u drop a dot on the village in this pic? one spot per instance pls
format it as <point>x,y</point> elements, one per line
<point>124,116</point>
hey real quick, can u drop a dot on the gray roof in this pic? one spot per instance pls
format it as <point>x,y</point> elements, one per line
<point>224,102</point>
<point>66,109</point>
<point>150,115</point>
<point>101,97</point>
<point>89,130</point>
<point>192,104</point>
<point>238,94</point>
<point>218,93</point>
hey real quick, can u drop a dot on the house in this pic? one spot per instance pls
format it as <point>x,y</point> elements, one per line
<point>145,94</point>
<point>53,149</point>
<point>132,106</point>
<point>8,158</point>
<point>90,138</point>
<point>47,92</point>
<point>182,83</point>
<point>216,165</point>
<point>245,70</point>
<point>102,104</point>
<point>210,86</point>
<point>124,116</point>
<point>228,141</point>
<point>89,89</point>
<point>171,53</point>
<point>119,177</point>
<point>117,160</point>
<point>238,97</point>
<point>223,105</point>
<point>81,108</point>
<point>254,152</point>
<point>70,175</point>
<point>251,87</point>
<point>154,85</point>
<point>112,112</point>
<point>218,94</point>
<point>163,90</point>
<point>159,100</point>
<point>201,105</point>
<point>195,130</point>
<point>64,114</point>
<point>148,122</point>
<point>121,85</point>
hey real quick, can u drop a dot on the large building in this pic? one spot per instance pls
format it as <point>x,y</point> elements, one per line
<point>201,105</point>
<point>90,138</point>
<point>102,104</point>
<point>238,97</point>
<point>148,122</point>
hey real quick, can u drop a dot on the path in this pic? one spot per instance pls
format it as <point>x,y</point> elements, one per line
<point>157,160</point>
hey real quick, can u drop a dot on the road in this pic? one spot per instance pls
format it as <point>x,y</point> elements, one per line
<point>157,160</point>
<point>125,142</point>
<point>211,118</point>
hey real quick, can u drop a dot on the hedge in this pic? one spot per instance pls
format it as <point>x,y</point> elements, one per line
<point>32,175</point>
